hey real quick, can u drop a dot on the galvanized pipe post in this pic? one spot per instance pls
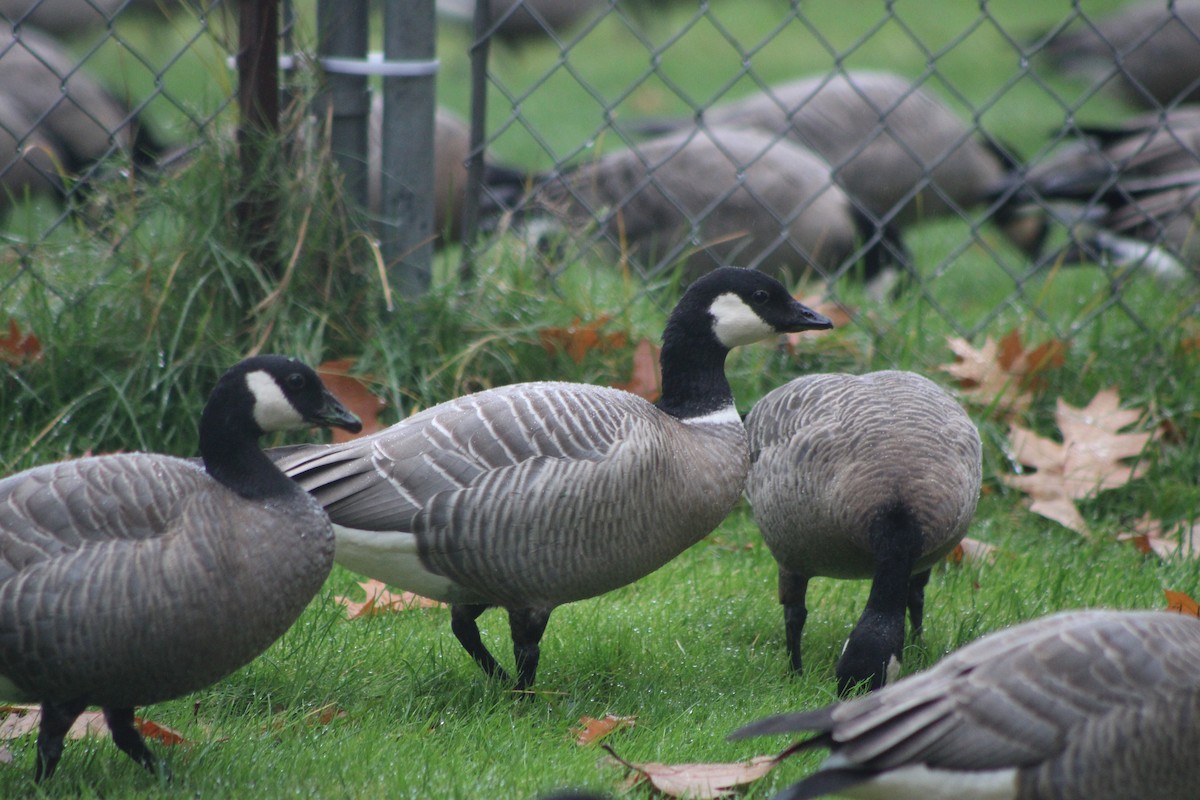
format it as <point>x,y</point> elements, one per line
<point>343,27</point>
<point>406,224</point>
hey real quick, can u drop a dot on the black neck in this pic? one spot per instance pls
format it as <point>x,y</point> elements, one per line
<point>897,542</point>
<point>693,368</point>
<point>230,449</point>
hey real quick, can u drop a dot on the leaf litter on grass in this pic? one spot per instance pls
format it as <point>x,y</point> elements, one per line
<point>703,781</point>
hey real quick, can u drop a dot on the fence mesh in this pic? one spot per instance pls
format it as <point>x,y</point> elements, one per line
<point>992,157</point>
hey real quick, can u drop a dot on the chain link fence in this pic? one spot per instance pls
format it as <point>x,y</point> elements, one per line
<point>941,155</point>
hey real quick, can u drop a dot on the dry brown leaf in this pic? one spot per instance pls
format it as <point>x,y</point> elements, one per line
<point>17,348</point>
<point>1003,376</point>
<point>381,600</point>
<point>352,391</point>
<point>1088,461</point>
<point>646,380</point>
<point>700,781</point>
<point>24,719</point>
<point>325,714</point>
<point>592,730</point>
<point>973,551</point>
<point>1182,603</point>
<point>578,339</point>
<point>1149,537</point>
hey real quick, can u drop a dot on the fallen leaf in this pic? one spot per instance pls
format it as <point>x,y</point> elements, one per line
<point>24,719</point>
<point>6,756</point>
<point>647,377</point>
<point>159,733</point>
<point>18,348</point>
<point>1003,376</point>
<point>1089,459</point>
<point>578,339</point>
<point>325,714</point>
<point>1149,537</point>
<point>381,600</point>
<point>592,730</point>
<point>973,551</point>
<point>701,781</point>
<point>1182,603</point>
<point>352,391</point>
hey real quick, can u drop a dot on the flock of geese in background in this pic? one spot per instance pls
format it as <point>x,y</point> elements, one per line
<point>823,173</point>
<point>134,578</point>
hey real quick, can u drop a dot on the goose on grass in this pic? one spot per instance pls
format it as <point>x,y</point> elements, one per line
<point>538,494</point>
<point>1084,705</point>
<point>134,578</point>
<point>872,476</point>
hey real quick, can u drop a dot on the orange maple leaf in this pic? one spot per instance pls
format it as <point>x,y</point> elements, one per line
<point>697,780</point>
<point>1003,376</point>
<point>381,600</point>
<point>353,393</point>
<point>1182,603</point>
<point>592,730</point>
<point>647,375</point>
<point>1149,536</point>
<point>17,348</point>
<point>579,339</point>
<point>1088,461</point>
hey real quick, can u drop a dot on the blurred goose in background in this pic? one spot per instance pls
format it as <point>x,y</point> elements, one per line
<point>1149,51</point>
<point>1084,705</point>
<point>899,153</point>
<point>872,476</point>
<point>538,494</point>
<point>1130,191</point>
<point>708,197</point>
<point>65,109</point>
<point>130,579</point>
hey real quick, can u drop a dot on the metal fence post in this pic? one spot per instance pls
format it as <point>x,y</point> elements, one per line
<point>406,225</point>
<point>258,105</point>
<point>342,27</point>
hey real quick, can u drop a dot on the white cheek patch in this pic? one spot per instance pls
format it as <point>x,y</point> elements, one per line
<point>735,323</point>
<point>272,410</point>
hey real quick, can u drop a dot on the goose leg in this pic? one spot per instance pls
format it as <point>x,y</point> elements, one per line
<point>57,719</point>
<point>916,601</point>
<point>792,589</point>
<point>462,622</point>
<point>126,737</point>
<point>528,625</point>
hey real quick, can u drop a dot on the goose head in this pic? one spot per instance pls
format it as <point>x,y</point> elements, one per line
<point>263,394</point>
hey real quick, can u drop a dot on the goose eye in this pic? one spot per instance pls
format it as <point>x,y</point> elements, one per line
<point>295,381</point>
<point>760,296</point>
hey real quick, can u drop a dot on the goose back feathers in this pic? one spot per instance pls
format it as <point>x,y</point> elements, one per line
<point>897,150</point>
<point>1086,705</point>
<point>538,494</point>
<point>707,197</point>
<point>135,578</point>
<point>873,476</point>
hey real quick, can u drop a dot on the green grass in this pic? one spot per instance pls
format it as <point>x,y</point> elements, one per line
<point>138,316</point>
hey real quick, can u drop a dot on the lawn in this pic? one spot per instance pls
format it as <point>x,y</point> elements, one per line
<point>132,337</point>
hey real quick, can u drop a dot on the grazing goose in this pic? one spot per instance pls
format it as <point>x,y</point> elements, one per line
<point>1149,51</point>
<point>898,152</point>
<point>727,194</point>
<point>85,122</point>
<point>134,578</point>
<point>538,494</point>
<point>1085,705</point>
<point>873,476</point>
